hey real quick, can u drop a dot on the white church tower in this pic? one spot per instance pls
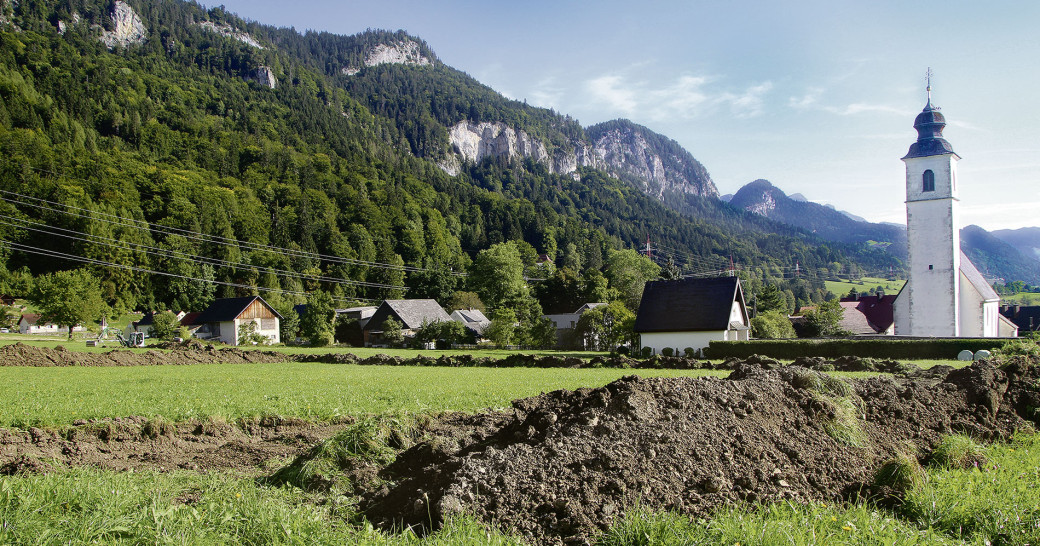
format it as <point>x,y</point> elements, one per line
<point>946,295</point>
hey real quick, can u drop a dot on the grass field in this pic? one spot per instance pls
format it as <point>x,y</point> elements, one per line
<point>995,504</point>
<point>313,391</point>
<point>1021,298</point>
<point>841,288</point>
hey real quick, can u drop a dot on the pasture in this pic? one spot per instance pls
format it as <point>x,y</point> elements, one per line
<point>991,503</point>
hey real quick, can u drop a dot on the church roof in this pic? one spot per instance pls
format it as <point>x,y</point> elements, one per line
<point>929,124</point>
<point>977,280</point>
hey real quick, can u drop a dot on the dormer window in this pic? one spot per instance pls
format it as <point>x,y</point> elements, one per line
<point>929,181</point>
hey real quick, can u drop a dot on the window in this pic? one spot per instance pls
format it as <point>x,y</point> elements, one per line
<point>267,324</point>
<point>929,267</point>
<point>929,181</point>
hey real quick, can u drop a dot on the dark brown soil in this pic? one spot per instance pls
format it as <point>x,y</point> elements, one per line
<point>21,354</point>
<point>136,443</point>
<point>566,464</point>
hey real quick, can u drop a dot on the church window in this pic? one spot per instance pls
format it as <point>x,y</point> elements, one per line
<point>929,181</point>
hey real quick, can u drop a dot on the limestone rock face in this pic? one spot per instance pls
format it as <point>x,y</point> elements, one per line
<point>265,77</point>
<point>127,27</point>
<point>476,141</point>
<point>228,31</point>
<point>621,152</point>
<point>403,52</point>
<point>627,151</point>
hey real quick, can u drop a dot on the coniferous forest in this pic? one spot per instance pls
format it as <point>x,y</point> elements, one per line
<point>170,171</point>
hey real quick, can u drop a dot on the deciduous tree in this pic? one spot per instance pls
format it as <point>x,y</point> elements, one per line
<point>68,298</point>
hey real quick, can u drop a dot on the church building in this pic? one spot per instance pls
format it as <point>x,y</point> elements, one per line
<point>945,296</point>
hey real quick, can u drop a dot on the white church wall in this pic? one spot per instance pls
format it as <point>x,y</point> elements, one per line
<point>934,266</point>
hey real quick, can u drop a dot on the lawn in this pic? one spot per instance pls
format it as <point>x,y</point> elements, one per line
<point>841,288</point>
<point>313,391</point>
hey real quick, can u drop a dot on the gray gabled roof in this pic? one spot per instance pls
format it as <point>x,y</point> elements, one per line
<point>411,313</point>
<point>977,280</point>
<point>689,305</point>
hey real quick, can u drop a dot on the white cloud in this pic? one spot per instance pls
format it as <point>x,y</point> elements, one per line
<point>547,93</point>
<point>686,97</point>
<point>612,91</point>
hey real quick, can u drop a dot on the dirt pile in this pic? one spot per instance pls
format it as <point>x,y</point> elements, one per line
<point>565,464</point>
<point>20,354</point>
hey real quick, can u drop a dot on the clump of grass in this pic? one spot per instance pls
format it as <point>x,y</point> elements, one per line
<point>844,425</point>
<point>157,426</point>
<point>373,440</point>
<point>958,451</point>
<point>900,474</point>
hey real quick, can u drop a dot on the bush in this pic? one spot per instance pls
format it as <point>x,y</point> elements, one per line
<point>646,352</point>
<point>690,352</point>
<point>834,348</point>
<point>667,351</point>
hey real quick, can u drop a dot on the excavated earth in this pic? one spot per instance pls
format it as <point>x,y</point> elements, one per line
<point>559,467</point>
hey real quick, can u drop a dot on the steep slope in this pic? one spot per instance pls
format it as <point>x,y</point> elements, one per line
<point>317,143</point>
<point>761,197</point>
<point>1026,240</point>
<point>996,258</point>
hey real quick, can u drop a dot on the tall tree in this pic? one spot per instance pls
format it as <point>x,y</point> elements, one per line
<point>628,272</point>
<point>69,298</point>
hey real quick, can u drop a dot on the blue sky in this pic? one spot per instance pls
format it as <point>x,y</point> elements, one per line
<point>818,97</point>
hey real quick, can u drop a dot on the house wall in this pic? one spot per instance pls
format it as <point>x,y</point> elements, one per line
<point>681,340</point>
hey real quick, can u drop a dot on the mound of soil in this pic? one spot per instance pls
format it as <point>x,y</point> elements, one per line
<point>20,354</point>
<point>566,464</point>
<point>136,443</point>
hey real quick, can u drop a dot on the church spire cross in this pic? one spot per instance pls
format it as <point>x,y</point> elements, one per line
<point>928,81</point>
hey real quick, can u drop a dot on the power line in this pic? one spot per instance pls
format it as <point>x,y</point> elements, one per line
<point>181,255</point>
<point>27,200</point>
<point>55,254</point>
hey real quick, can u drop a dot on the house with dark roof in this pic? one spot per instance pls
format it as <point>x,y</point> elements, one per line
<point>411,314</point>
<point>224,317</point>
<point>691,312</point>
<point>1025,317</point>
<point>869,315</point>
<point>473,319</point>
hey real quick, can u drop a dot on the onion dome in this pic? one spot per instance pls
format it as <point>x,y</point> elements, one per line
<point>929,124</point>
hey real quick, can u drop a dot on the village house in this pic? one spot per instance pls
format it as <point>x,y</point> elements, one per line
<point>869,315</point>
<point>565,323</point>
<point>411,314</point>
<point>689,313</point>
<point>473,319</point>
<point>30,324</point>
<point>1026,318</point>
<point>224,317</point>
<point>144,325</point>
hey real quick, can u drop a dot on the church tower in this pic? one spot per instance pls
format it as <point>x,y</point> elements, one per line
<point>932,218</point>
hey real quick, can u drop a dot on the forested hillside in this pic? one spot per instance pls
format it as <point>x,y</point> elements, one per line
<point>238,158</point>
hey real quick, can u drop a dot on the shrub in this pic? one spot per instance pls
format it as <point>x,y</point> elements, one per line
<point>667,351</point>
<point>646,352</point>
<point>690,352</point>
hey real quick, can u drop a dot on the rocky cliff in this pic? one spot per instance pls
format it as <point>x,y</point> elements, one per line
<point>228,31</point>
<point>624,150</point>
<point>127,27</point>
<point>402,52</point>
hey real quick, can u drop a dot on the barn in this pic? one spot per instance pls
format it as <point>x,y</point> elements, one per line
<point>224,317</point>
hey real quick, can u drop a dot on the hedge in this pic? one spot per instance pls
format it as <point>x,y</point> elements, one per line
<point>927,348</point>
